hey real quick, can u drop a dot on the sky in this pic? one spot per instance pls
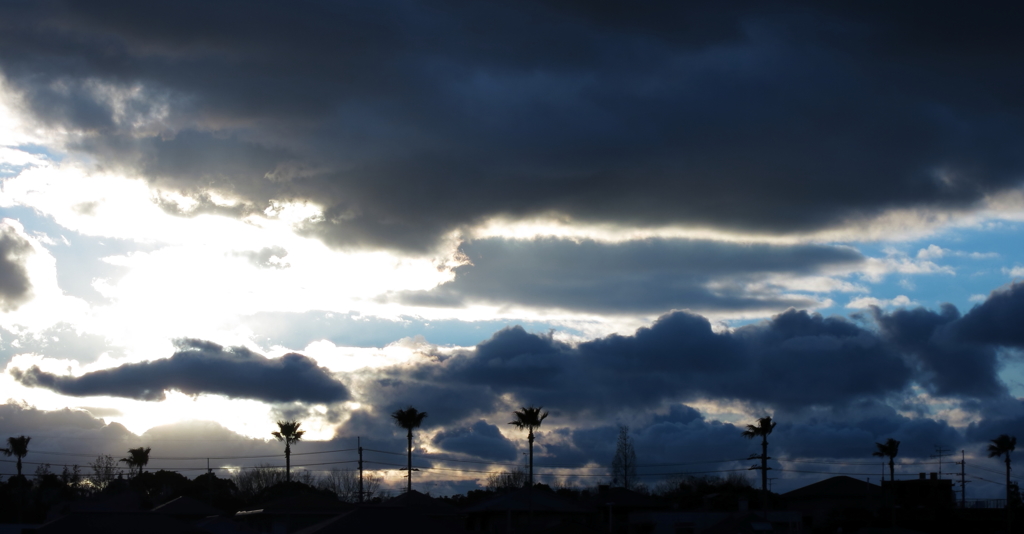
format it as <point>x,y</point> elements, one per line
<point>673,217</point>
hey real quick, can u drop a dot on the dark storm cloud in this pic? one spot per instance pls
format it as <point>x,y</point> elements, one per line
<point>796,359</point>
<point>480,439</point>
<point>793,362</point>
<point>958,355</point>
<point>202,367</point>
<point>15,286</point>
<point>409,119</point>
<point>652,275</point>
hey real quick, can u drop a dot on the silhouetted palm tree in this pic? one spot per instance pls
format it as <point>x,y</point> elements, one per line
<point>529,419</point>
<point>409,419</point>
<point>17,447</point>
<point>288,432</point>
<point>762,428</point>
<point>890,448</point>
<point>136,460</point>
<point>1004,445</point>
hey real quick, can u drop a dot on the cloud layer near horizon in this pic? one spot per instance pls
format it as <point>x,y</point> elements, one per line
<point>406,120</point>
<point>797,361</point>
<point>202,367</point>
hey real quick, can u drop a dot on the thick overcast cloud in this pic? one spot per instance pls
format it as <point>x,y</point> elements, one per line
<point>795,361</point>
<point>15,286</point>
<point>409,119</point>
<point>647,276</point>
<point>202,367</point>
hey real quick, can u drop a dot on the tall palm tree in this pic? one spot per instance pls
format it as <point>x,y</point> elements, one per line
<point>409,419</point>
<point>17,447</point>
<point>529,419</point>
<point>1004,445</point>
<point>136,460</point>
<point>762,428</point>
<point>890,448</point>
<point>288,432</point>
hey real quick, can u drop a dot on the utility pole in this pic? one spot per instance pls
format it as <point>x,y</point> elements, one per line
<point>939,453</point>
<point>963,480</point>
<point>360,447</point>
<point>209,480</point>
<point>763,467</point>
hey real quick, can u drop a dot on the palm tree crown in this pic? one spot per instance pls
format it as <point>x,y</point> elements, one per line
<point>409,419</point>
<point>762,428</point>
<point>17,447</point>
<point>529,419</point>
<point>136,459</point>
<point>288,432</point>
<point>1004,445</point>
<point>888,449</point>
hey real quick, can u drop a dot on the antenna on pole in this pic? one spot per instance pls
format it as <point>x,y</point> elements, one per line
<point>939,453</point>
<point>963,480</point>
<point>360,447</point>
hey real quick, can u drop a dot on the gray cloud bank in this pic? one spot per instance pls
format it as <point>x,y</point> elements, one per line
<point>794,362</point>
<point>645,276</point>
<point>202,367</point>
<point>408,119</point>
<point>15,286</point>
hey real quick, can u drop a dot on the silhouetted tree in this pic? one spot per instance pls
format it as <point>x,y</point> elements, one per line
<point>136,460</point>
<point>104,471</point>
<point>529,419</point>
<point>409,419</point>
<point>17,447</point>
<point>345,484</point>
<point>888,449</point>
<point>507,480</point>
<point>624,462</point>
<point>1003,446</point>
<point>762,428</point>
<point>288,432</point>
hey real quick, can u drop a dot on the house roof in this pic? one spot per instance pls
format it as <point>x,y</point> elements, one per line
<point>115,523</point>
<point>306,503</point>
<point>838,487</point>
<point>624,498</point>
<point>537,500</point>
<point>186,506</point>
<point>383,519</point>
<point>424,504</point>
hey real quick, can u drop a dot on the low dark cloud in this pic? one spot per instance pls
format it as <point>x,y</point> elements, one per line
<point>954,354</point>
<point>795,362</point>
<point>202,367</point>
<point>646,276</point>
<point>409,119</point>
<point>15,286</point>
<point>480,439</point>
<point>796,359</point>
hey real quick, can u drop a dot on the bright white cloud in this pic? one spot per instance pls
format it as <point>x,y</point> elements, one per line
<point>867,302</point>
<point>1015,272</point>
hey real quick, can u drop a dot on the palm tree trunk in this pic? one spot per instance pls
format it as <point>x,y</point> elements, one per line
<point>287,462</point>
<point>1009,510</point>
<point>892,470</point>
<point>531,458</point>
<point>764,475</point>
<point>19,467</point>
<point>408,487</point>
<point>1007,480</point>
